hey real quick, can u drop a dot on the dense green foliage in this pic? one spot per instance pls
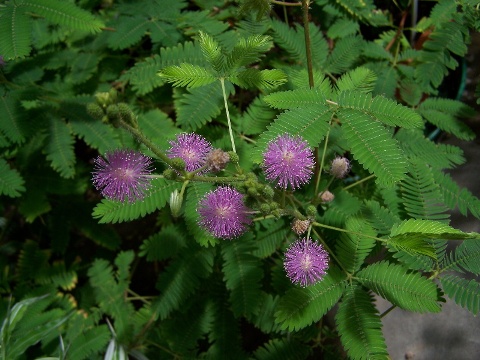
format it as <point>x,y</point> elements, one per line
<point>87,278</point>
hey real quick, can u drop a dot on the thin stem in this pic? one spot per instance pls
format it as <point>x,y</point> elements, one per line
<point>222,81</point>
<point>322,162</point>
<point>284,3</point>
<point>330,252</point>
<point>140,137</point>
<point>359,182</point>
<point>308,47</point>
<point>347,231</point>
<point>387,311</point>
<point>218,179</point>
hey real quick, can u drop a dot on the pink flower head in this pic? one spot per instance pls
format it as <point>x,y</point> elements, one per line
<point>288,161</point>
<point>122,174</point>
<point>306,262</point>
<point>191,148</point>
<point>223,213</point>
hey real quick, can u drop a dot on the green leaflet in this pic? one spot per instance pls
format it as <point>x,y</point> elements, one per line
<point>408,290</point>
<point>109,211</point>
<point>11,182</point>
<point>242,275</point>
<point>359,325</point>
<point>59,148</point>
<point>466,257</point>
<point>465,293</point>
<point>282,349</point>
<point>353,248</point>
<point>299,307</point>
<point>373,146</point>
<point>187,75</point>
<point>381,109</point>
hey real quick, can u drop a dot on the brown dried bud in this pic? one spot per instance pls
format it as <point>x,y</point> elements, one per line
<point>340,167</point>
<point>326,196</point>
<point>217,159</point>
<point>300,226</point>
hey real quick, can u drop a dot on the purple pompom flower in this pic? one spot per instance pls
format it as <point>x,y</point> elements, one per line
<point>191,148</point>
<point>306,262</point>
<point>122,174</point>
<point>288,161</point>
<point>223,213</point>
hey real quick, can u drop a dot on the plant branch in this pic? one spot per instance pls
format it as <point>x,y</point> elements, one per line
<point>308,45</point>
<point>222,81</point>
<point>284,3</point>
<point>399,31</point>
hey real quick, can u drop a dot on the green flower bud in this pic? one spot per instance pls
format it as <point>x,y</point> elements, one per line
<point>252,191</point>
<point>127,114</point>
<point>265,208</point>
<point>178,164</point>
<point>311,211</point>
<point>113,112</point>
<point>233,157</point>
<point>176,201</point>
<point>274,205</point>
<point>267,191</point>
<point>103,99</point>
<point>95,111</point>
<point>170,174</point>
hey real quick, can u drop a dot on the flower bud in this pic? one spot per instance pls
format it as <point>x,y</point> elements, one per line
<point>103,99</point>
<point>340,167</point>
<point>112,112</point>
<point>326,196</point>
<point>217,159</point>
<point>178,164</point>
<point>176,201</point>
<point>127,115</point>
<point>95,111</point>
<point>233,157</point>
<point>300,226</point>
<point>170,174</point>
<point>265,208</point>
<point>311,211</point>
<point>267,191</point>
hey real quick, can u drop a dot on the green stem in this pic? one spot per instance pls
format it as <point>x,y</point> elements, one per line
<point>218,179</point>
<point>308,46</point>
<point>348,231</point>
<point>330,252</point>
<point>322,162</point>
<point>359,182</point>
<point>284,3</point>
<point>222,81</point>
<point>140,137</point>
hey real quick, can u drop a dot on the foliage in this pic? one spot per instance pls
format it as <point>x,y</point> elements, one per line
<point>90,278</point>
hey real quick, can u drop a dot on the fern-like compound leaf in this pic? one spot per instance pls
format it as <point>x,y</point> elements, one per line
<point>296,98</point>
<point>354,246</point>
<point>456,197</point>
<point>187,75</point>
<point>182,278</point>
<point>212,51</point>
<point>16,28</point>
<point>344,54</point>
<point>408,290</point>
<point>242,275</point>
<point>109,211</point>
<point>59,148</point>
<point>247,51</point>
<point>164,244</point>
<point>89,342</point>
<point>299,307</point>
<point>282,349</point>
<point>359,325</point>
<point>129,31</point>
<point>421,195</point>
<point>428,229</point>
<point>311,123</point>
<point>465,293</point>
<point>64,13</point>
<point>465,258</point>
<point>14,122</point>
<point>261,79</point>
<point>373,146</point>
<point>11,182</point>
<point>360,79</point>
<point>438,156</point>
<point>381,109</point>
